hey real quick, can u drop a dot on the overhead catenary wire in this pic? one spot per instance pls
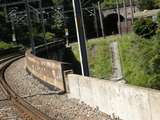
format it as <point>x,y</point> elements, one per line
<point>83,5</point>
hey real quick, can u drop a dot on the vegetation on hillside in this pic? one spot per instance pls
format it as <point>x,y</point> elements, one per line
<point>141,60</point>
<point>4,45</point>
<point>145,27</point>
<point>99,57</point>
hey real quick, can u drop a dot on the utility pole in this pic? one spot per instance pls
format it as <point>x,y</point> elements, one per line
<point>81,36</point>
<point>125,12</point>
<point>85,36</point>
<point>42,21</point>
<point>95,21</point>
<point>13,30</point>
<point>65,27</point>
<point>119,19</point>
<point>101,19</point>
<point>30,26</point>
<point>5,11</point>
<point>43,26</point>
<point>132,12</point>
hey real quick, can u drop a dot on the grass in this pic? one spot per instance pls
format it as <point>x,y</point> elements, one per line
<point>4,45</point>
<point>140,59</point>
<point>99,57</point>
<point>132,61</point>
<point>137,60</point>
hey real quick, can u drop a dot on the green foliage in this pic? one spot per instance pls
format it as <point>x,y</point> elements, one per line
<point>158,21</point>
<point>141,60</point>
<point>146,4</point>
<point>99,57</point>
<point>133,51</point>
<point>145,27</point>
<point>157,3</point>
<point>58,25</point>
<point>57,2</point>
<point>4,45</point>
<point>110,3</point>
<point>49,36</point>
<point>158,18</point>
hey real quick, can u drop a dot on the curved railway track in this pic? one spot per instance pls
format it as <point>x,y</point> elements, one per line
<point>27,111</point>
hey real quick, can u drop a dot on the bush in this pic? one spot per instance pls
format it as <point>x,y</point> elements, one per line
<point>146,4</point>
<point>158,17</point>
<point>155,82</point>
<point>158,21</point>
<point>145,27</point>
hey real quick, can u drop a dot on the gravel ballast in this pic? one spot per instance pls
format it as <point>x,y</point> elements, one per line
<point>7,109</point>
<point>42,97</point>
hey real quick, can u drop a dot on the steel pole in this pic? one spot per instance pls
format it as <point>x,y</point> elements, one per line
<point>95,22</point>
<point>5,11</point>
<point>125,12</point>
<point>81,36</point>
<point>43,26</point>
<point>13,31</point>
<point>85,36</point>
<point>132,12</point>
<point>101,19</point>
<point>30,28</point>
<point>119,19</point>
<point>65,27</point>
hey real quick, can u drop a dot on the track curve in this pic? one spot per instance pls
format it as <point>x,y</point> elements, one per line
<point>27,111</point>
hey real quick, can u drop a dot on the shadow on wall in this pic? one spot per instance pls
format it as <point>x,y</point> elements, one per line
<point>63,54</point>
<point>70,58</point>
<point>110,23</point>
<point>53,53</point>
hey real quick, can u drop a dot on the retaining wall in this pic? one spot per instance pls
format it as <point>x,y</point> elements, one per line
<point>49,71</point>
<point>126,101</point>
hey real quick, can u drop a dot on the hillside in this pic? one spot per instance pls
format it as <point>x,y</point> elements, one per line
<point>139,58</point>
<point>99,56</point>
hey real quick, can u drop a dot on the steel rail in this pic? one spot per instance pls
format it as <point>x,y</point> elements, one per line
<point>27,111</point>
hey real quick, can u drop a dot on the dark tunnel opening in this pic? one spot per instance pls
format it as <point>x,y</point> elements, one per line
<point>110,23</point>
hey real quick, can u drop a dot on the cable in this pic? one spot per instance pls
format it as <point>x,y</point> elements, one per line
<point>83,5</point>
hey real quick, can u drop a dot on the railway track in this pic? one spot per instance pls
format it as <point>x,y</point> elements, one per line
<point>27,111</point>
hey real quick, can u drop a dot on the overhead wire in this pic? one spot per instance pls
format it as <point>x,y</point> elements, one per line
<point>83,5</point>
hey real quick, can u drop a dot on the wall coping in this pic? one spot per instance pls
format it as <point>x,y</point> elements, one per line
<point>116,83</point>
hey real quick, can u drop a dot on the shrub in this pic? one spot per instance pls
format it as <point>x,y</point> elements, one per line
<point>158,21</point>
<point>145,27</point>
<point>146,4</point>
<point>155,82</point>
<point>158,17</point>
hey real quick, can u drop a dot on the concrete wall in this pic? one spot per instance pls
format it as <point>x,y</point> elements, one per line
<point>126,101</point>
<point>49,71</point>
<point>122,11</point>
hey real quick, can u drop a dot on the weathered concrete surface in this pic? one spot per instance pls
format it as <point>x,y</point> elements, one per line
<point>126,101</point>
<point>49,71</point>
<point>116,63</point>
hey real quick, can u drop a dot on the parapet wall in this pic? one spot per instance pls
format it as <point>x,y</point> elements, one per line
<point>126,101</point>
<point>49,71</point>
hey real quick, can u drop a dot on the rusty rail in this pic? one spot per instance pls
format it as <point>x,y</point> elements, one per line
<point>27,111</point>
